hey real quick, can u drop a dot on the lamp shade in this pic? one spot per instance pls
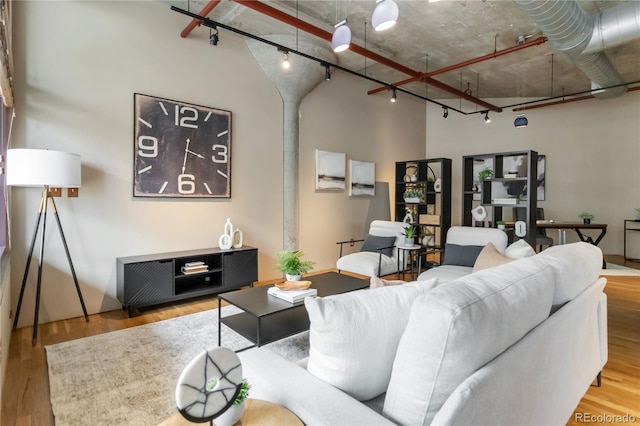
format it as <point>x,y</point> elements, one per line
<point>385,15</point>
<point>341,38</point>
<point>41,167</point>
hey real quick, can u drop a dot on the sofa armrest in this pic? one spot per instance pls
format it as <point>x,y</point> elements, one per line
<point>315,402</point>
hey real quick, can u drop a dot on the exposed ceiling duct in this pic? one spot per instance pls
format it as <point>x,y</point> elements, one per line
<point>570,29</point>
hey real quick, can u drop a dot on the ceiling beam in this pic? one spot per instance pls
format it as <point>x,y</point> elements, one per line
<point>495,54</point>
<point>196,22</point>
<point>325,35</point>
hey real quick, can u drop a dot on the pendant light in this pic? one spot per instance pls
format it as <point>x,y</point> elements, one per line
<point>521,121</point>
<point>341,37</point>
<point>385,15</point>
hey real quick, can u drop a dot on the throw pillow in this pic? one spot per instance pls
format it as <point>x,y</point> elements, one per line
<point>490,257</point>
<point>353,336</point>
<point>519,249</point>
<point>377,282</point>
<point>455,254</point>
<point>457,328</point>
<point>374,242</point>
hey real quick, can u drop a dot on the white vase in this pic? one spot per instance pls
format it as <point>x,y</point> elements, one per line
<point>231,416</point>
<point>293,277</point>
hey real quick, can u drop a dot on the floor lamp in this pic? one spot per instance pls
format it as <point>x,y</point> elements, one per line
<point>46,169</point>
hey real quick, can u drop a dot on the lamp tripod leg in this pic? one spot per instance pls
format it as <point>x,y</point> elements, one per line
<point>26,269</point>
<point>39,287</point>
<point>73,271</point>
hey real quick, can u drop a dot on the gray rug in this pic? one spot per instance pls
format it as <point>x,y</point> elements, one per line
<point>128,377</point>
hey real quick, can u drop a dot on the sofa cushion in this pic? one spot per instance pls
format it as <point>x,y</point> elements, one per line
<point>350,335</point>
<point>366,263</point>
<point>445,273</point>
<point>519,249</point>
<point>575,265</point>
<point>374,242</point>
<point>490,257</point>
<point>457,328</point>
<point>455,254</point>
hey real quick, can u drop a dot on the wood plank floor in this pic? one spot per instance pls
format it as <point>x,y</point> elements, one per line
<point>26,392</point>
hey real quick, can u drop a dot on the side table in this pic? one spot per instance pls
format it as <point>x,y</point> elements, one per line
<point>256,413</point>
<point>402,257</point>
<point>630,225</point>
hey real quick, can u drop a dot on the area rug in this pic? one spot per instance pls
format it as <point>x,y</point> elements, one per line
<point>613,269</point>
<point>128,377</point>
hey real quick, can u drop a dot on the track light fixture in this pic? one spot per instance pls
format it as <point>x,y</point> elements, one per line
<point>285,60</point>
<point>394,97</point>
<point>486,117</point>
<point>385,15</point>
<point>341,38</point>
<point>445,112</point>
<point>327,72</point>
<point>213,37</point>
<point>521,121</point>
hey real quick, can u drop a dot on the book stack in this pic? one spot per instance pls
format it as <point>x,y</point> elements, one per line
<point>505,201</point>
<point>194,268</point>
<point>510,175</point>
<point>292,296</point>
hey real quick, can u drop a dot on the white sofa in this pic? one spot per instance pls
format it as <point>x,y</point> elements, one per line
<point>514,344</point>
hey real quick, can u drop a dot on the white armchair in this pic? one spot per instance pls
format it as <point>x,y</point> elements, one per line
<point>461,249</point>
<point>379,254</point>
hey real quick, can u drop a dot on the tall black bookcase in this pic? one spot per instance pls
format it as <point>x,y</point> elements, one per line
<point>432,210</point>
<point>513,184</point>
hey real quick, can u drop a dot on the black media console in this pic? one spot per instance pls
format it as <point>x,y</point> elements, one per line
<point>159,278</point>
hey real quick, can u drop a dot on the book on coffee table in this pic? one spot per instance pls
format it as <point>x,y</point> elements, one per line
<point>292,296</point>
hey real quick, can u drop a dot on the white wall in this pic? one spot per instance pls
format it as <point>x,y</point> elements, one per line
<point>592,149</point>
<point>77,65</point>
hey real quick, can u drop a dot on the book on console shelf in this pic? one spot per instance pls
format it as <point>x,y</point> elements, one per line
<point>194,269</point>
<point>194,264</point>
<point>505,201</point>
<point>292,296</point>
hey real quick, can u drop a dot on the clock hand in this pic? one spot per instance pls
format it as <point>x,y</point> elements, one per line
<point>196,154</point>
<point>186,151</point>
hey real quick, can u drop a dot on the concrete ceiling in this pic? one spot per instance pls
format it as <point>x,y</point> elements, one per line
<point>433,35</point>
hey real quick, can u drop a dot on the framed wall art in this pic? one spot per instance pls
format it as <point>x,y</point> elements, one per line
<point>180,149</point>
<point>363,178</point>
<point>330,170</point>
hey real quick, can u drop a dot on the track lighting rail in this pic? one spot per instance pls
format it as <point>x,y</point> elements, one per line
<point>214,24</point>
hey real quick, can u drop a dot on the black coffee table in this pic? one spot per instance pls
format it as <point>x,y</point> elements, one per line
<point>267,318</point>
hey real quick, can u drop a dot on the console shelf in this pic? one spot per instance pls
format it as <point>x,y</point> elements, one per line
<point>159,278</point>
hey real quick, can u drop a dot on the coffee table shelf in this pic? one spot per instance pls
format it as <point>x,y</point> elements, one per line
<point>267,318</point>
<point>272,327</point>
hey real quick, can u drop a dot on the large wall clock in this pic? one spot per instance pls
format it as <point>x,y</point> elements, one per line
<point>180,149</point>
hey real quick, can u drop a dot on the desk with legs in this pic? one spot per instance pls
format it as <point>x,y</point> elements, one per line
<point>632,225</point>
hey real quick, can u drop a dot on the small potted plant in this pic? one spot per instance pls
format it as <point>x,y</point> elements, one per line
<point>412,196</point>
<point>485,174</point>
<point>293,267</point>
<point>501,225</point>
<point>410,233</point>
<point>233,413</point>
<point>586,217</point>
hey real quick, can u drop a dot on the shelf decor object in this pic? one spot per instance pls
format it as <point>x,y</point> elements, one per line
<point>46,169</point>
<point>180,149</point>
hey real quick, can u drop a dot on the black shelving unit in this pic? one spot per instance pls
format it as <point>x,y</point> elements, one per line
<point>521,188</point>
<point>158,278</point>
<point>434,206</point>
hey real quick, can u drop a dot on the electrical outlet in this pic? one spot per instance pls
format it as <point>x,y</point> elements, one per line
<point>55,192</point>
<point>72,192</point>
